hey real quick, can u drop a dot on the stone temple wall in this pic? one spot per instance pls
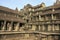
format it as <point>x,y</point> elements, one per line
<point>29,36</point>
<point>19,37</point>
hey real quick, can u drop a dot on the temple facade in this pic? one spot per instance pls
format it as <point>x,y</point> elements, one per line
<point>30,23</point>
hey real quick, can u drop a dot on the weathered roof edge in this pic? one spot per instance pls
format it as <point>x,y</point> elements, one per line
<point>7,9</point>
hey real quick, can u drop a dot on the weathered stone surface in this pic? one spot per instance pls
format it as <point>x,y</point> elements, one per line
<point>30,23</point>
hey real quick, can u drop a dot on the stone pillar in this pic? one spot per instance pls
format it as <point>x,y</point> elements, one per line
<point>57,27</point>
<point>4,26</point>
<point>52,16</point>
<point>46,17</point>
<point>10,26</point>
<point>49,27</point>
<point>33,27</point>
<point>39,28</point>
<point>53,28</point>
<point>43,28</point>
<point>17,27</point>
<point>39,17</point>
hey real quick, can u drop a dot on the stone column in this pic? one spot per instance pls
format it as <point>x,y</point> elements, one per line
<point>52,16</point>
<point>39,28</point>
<point>33,27</point>
<point>49,27</point>
<point>4,26</point>
<point>53,27</point>
<point>17,27</point>
<point>57,27</point>
<point>43,28</point>
<point>46,18</point>
<point>10,26</point>
<point>39,17</point>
